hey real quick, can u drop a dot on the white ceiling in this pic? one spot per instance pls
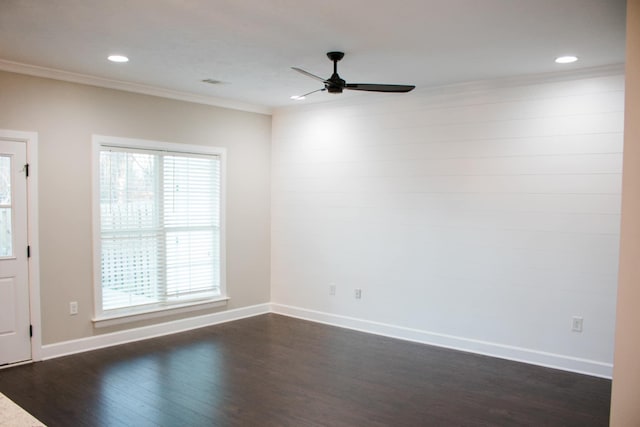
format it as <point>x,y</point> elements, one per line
<point>250,45</point>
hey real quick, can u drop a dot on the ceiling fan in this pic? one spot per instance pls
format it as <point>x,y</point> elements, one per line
<point>335,84</point>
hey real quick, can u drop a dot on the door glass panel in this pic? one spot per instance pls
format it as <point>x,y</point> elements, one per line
<point>5,180</point>
<point>6,242</point>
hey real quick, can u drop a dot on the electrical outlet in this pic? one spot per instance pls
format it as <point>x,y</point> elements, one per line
<point>576,324</point>
<point>332,289</point>
<point>358,293</point>
<point>73,308</point>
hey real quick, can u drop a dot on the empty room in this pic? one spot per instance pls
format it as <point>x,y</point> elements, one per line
<point>279,213</point>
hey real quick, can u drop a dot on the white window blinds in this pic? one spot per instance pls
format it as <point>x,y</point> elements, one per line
<point>160,227</point>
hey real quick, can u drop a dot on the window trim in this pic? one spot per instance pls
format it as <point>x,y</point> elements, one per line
<point>144,312</point>
<point>117,319</point>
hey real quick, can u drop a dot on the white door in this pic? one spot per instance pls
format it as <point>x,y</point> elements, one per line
<point>15,337</point>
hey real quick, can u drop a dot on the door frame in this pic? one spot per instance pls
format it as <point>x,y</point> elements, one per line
<point>31,141</point>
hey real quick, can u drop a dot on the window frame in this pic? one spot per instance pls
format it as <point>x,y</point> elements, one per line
<point>130,314</point>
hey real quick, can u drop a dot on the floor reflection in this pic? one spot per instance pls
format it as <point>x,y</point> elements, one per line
<point>163,388</point>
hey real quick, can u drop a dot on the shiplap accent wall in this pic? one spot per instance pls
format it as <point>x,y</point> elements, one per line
<point>482,213</point>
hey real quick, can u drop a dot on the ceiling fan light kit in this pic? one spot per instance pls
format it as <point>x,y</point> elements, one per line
<point>335,84</point>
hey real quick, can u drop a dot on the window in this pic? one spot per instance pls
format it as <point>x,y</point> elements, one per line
<point>158,217</point>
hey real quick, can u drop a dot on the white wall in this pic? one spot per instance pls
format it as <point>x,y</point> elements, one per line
<point>65,115</point>
<point>480,217</point>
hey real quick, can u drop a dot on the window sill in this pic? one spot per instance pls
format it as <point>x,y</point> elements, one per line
<point>128,317</point>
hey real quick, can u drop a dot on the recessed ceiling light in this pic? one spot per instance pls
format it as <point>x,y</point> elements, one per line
<point>118,58</point>
<point>297,97</point>
<point>566,59</point>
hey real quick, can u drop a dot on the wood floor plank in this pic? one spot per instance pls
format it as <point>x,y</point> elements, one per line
<point>272,370</point>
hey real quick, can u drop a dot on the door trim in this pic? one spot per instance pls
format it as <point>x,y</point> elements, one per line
<point>31,140</point>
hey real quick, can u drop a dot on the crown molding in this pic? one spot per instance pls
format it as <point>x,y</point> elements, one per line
<point>453,89</point>
<point>530,79</point>
<point>67,76</point>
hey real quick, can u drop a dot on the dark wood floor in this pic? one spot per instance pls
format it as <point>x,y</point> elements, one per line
<point>273,370</point>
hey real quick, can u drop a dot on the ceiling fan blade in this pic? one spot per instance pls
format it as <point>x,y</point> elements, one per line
<point>308,74</point>
<point>372,87</point>
<point>301,97</point>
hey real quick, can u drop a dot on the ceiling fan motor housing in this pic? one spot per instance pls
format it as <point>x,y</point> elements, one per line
<point>335,84</point>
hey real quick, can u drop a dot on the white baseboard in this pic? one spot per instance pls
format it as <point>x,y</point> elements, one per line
<point>137,334</point>
<point>519,354</point>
